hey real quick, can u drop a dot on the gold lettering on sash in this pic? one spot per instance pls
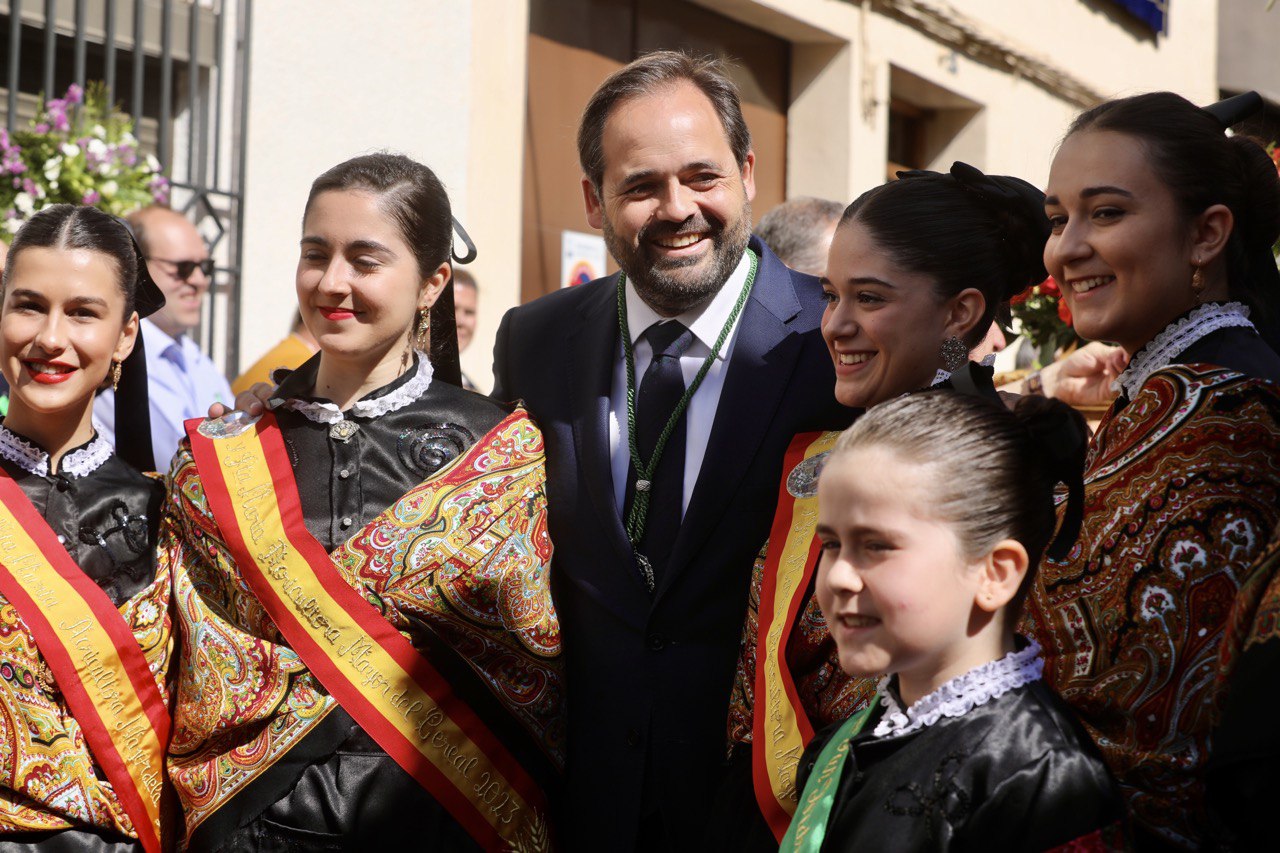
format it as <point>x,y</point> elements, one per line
<point>351,649</point>
<point>100,680</point>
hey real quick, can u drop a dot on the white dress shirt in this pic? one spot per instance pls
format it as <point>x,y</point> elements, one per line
<point>705,323</point>
<point>181,383</point>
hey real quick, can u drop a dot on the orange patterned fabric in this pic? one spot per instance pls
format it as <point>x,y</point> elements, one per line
<point>48,778</point>
<point>1182,495</point>
<point>465,553</point>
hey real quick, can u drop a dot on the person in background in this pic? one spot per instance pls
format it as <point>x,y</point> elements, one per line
<point>292,351</point>
<point>799,232</point>
<point>183,380</point>
<point>466,300</point>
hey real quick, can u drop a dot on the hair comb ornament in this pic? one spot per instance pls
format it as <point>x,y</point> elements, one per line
<point>1231,111</point>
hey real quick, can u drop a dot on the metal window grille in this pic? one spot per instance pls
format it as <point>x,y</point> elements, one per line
<point>179,68</point>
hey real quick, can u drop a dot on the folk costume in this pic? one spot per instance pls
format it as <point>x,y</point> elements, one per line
<point>85,636</point>
<point>991,760</point>
<point>103,515</point>
<point>788,683</point>
<point>1182,496</point>
<point>369,652</point>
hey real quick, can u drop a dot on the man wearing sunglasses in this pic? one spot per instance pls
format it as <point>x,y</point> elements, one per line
<point>182,380</point>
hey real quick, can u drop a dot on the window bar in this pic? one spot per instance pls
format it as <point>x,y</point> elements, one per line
<point>139,62</point>
<point>81,47</point>
<point>193,90</point>
<point>218,73</point>
<point>50,44</point>
<point>109,57</point>
<point>166,83</point>
<point>244,17</point>
<point>15,45</point>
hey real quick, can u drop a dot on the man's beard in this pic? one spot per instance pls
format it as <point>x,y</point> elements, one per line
<point>658,281</point>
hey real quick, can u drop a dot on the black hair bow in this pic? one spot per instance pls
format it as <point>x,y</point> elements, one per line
<point>1231,111</point>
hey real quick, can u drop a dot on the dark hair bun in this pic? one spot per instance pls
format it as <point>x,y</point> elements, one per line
<point>1019,210</point>
<point>1060,440</point>
<point>1259,216</point>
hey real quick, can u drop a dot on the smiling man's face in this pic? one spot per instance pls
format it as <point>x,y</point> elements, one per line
<point>674,204</point>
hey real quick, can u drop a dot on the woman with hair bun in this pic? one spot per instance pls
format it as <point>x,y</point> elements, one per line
<point>370,658</point>
<point>933,512</point>
<point>1155,626</point>
<point>916,271</point>
<point>85,630</point>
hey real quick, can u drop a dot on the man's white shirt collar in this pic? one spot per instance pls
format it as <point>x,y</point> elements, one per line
<point>705,322</point>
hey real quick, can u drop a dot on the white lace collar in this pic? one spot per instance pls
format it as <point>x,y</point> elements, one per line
<point>80,462</point>
<point>961,694</point>
<point>324,412</point>
<point>1175,338</point>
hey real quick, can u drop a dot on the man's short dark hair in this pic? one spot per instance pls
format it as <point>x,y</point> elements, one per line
<point>646,75</point>
<point>793,230</point>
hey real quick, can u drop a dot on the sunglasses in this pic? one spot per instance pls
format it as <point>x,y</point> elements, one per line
<point>184,269</point>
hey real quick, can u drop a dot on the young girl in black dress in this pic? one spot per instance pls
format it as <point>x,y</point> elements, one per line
<point>923,571</point>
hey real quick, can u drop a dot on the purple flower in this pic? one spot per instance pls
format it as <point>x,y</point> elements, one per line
<point>75,94</point>
<point>91,197</point>
<point>42,128</point>
<point>29,186</point>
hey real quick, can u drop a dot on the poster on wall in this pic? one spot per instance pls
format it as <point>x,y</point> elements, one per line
<point>582,257</point>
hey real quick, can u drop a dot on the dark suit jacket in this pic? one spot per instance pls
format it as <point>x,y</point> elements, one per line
<point>649,676</point>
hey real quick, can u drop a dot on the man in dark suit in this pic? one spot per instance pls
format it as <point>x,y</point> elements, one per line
<point>654,539</point>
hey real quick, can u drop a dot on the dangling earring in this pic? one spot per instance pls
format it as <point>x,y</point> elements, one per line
<point>115,376</point>
<point>954,354</point>
<point>422,334</point>
<point>1197,284</point>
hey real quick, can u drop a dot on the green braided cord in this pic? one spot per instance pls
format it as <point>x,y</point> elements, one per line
<point>640,504</point>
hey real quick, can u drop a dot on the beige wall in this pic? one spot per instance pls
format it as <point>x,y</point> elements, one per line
<point>845,56</point>
<point>444,81</point>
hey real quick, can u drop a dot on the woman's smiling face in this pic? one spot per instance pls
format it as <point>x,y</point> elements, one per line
<point>1120,249</point>
<point>62,326</point>
<point>883,324</point>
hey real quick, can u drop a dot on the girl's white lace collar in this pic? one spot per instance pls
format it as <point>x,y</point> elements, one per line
<point>324,412</point>
<point>1174,340</point>
<point>80,462</point>
<point>961,694</point>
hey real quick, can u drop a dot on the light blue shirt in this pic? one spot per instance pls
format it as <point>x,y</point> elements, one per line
<point>182,382</point>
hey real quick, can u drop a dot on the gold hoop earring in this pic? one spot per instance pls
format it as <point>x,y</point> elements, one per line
<point>115,376</point>
<point>1197,284</point>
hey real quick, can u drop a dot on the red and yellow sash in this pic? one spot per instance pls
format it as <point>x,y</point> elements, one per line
<point>780,726</point>
<point>378,677</point>
<point>94,657</point>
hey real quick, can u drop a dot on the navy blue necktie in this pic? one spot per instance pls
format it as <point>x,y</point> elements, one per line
<point>659,395</point>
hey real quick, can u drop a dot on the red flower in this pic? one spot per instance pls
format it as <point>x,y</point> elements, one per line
<point>1049,287</point>
<point>1064,311</point>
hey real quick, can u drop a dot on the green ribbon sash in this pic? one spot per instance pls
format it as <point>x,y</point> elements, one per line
<point>809,828</point>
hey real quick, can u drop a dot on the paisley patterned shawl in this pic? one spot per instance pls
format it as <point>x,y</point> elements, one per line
<point>463,556</point>
<point>48,777</point>
<point>1182,495</point>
